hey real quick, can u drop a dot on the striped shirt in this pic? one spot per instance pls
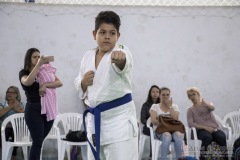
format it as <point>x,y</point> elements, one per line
<point>46,74</point>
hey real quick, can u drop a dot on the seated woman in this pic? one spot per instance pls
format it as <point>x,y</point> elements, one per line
<point>153,98</point>
<point>201,117</point>
<point>11,106</point>
<point>167,108</point>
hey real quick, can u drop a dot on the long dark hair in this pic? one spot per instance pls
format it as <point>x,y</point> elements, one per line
<point>149,98</point>
<point>28,58</point>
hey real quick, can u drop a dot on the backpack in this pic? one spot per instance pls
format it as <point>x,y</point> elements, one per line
<point>76,136</point>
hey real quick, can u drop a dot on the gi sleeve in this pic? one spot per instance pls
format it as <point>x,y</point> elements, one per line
<point>78,80</point>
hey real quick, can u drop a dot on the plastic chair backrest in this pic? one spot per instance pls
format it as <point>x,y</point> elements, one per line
<point>53,132</point>
<point>20,129</point>
<point>69,121</point>
<point>219,121</point>
<point>65,122</point>
<point>21,135</point>
<point>233,120</point>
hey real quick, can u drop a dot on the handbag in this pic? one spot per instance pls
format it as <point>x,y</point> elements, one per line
<point>168,124</point>
<point>76,136</point>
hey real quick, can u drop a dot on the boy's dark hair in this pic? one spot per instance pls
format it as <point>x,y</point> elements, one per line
<point>108,17</point>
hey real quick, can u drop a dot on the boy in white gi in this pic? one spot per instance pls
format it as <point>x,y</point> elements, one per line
<point>104,82</point>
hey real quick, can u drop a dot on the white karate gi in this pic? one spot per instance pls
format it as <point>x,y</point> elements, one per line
<point>119,130</point>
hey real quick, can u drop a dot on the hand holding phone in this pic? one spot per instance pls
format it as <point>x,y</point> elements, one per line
<point>49,58</point>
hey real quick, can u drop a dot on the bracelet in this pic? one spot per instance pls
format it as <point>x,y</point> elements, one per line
<point>171,107</point>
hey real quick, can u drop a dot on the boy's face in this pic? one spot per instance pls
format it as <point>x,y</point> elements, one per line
<point>106,37</point>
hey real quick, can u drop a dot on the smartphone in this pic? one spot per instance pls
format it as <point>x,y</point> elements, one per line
<point>50,58</point>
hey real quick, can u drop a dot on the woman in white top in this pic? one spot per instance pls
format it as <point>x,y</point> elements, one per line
<point>167,108</point>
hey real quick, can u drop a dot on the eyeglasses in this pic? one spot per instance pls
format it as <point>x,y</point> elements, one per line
<point>165,94</point>
<point>193,94</point>
<point>8,92</point>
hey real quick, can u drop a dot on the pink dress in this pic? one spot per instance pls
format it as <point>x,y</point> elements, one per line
<point>46,74</point>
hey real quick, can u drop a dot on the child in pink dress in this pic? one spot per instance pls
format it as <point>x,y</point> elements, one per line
<point>46,74</point>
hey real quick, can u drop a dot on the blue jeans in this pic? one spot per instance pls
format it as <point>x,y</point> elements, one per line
<point>38,126</point>
<point>167,138</point>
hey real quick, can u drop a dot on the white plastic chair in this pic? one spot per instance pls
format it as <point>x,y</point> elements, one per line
<point>142,140</point>
<point>156,143</point>
<point>228,132</point>
<point>190,148</point>
<point>223,127</point>
<point>194,143</point>
<point>69,121</point>
<point>21,136</point>
<point>232,120</point>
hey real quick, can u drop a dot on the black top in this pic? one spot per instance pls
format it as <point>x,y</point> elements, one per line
<point>144,117</point>
<point>32,92</point>
<point>145,112</point>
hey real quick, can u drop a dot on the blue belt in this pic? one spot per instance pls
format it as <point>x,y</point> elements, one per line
<point>97,115</point>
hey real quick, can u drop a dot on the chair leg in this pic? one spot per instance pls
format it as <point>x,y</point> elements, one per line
<point>25,152</point>
<point>41,150</point>
<point>41,153</point>
<point>84,152</point>
<point>199,149</point>
<point>3,151</point>
<point>62,152</point>
<point>156,150</point>
<point>153,149</point>
<point>59,150</point>
<point>141,147</point>
<point>8,153</point>
<point>68,149</point>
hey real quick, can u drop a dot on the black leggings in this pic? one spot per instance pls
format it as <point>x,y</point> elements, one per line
<point>207,138</point>
<point>38,126</point>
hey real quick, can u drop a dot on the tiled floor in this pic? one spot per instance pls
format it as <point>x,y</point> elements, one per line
<point>20,156</point>
<point>145,155</point>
